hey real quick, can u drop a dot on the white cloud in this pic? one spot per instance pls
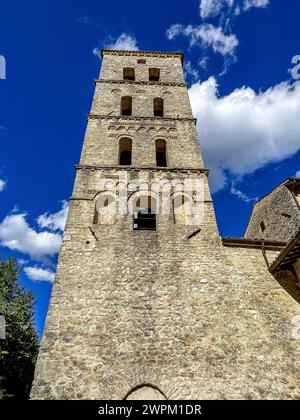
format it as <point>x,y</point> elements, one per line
<point>203,63</point>
<point>2,184</point>
<point>54,221</point>
<point>297,175</point>
<point>22,261</point>
<point>16,234</point>
<point>206,35</point>
<point>191,71</point>
<point>241,195</point>
<point>124,42</point>
<point>245,130</point>
<point>39,274</point>
<point>97,52</point>
<point>248,4</point>
<point>213,8</point>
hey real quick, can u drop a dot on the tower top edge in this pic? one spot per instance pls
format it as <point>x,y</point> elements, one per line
<point>143,53</point>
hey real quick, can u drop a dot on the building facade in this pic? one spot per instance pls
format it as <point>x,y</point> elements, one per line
<point>148,300</point>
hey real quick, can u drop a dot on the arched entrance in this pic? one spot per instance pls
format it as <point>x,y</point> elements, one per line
<point>145,392</point>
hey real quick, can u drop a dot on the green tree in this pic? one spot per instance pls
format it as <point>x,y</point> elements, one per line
<point>18,351</point>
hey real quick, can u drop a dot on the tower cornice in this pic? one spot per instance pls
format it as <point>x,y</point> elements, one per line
<point>143,53</point>
<point>142,168</point>
<point>139,118</point>
<point>135,82</point>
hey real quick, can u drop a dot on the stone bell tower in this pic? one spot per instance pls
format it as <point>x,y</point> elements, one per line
<point>119,315</point>
<point>148,303</point>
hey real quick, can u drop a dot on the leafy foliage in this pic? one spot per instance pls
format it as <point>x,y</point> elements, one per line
<point>19,350</point>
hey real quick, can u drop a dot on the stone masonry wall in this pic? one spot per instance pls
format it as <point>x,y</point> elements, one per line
<point>198,321</point>
<point>102,139</point>
<point>170,67</point>
<point>280,215</point>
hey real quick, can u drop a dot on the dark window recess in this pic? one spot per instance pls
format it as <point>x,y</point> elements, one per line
<point>262,226</point>
<point>141,61</point>
<point>126,106</point>
<point>154,75</point>
<point>128,73</point>
<point>161,153</point>
<point>125,158</point>
<point>144,220</point>
<point>125,151</point>
<point>158,105</point>
<point>161,159</point>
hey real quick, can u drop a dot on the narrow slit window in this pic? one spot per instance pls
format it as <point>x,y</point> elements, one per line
<point>161,153</point>
<point>129,73</point>
<point>125,152</point>
<point>126,106</point>
<point>154,75</point>
<point>158,105</point>
<point>262,226</point>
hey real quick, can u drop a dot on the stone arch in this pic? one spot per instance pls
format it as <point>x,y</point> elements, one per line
<point>144,207</point>
<point>145,393</point>
<point>136,195</point>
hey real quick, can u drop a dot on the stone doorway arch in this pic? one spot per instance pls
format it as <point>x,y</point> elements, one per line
<point>145,392</point>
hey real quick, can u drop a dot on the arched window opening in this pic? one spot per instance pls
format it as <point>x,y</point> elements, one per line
<point>126,106</point>
<point>105,210</point>
<point>125,151</point>
<point>161,153</point>
<point>128,73</point>
<point>144,216</point>
<point>158,105</point>
<point>154,75</point>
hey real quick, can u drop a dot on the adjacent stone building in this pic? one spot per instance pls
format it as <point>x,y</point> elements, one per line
<point>149,301</point>
<point>277,217</point>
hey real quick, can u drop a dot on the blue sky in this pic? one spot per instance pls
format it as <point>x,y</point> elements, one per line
<point>238,55</point>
